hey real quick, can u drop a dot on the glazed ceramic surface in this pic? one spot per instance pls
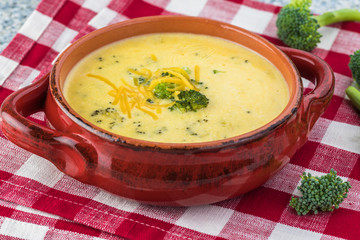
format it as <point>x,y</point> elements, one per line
<point>159,173</point>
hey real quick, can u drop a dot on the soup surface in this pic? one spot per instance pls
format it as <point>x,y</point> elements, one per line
<point>113,88</point>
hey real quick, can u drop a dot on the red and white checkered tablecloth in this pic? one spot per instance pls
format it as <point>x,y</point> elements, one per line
<point>37,201</point>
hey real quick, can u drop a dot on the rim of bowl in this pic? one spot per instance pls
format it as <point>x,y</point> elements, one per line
<point>290,109</point>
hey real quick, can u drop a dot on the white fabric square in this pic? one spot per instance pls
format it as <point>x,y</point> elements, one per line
<point>35,25</point>
<point>34,73</point>
<point>103,18</point>
<point>206,219</point>
<point>41,170</point>
<point>24,230</point>
<point>342,82</point>
<point>7,66</point>
<point>284,232</point>
<point>64,39</point>
<point>343,136</point>
<point>95,5</point>
<point>56,58</point>
<point>186,7</point>
<point>252,19</point>
<point>115,201</point>
<point>285,179</point>
<point>347,42</point>
<point>329,35</point>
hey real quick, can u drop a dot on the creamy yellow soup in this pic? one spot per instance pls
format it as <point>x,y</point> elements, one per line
<point>113,88</point>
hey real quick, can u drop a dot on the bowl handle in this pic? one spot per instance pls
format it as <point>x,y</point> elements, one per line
<point>320,73</point>
<point>68,152</point>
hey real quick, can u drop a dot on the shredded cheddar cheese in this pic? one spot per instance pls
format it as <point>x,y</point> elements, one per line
<point>129,96</point>
<point>143,72</point>
<point>153,57</point>
<point>197,73</point>
<point>107,81</point>
<point>164,79</point>
<point>182,78</point>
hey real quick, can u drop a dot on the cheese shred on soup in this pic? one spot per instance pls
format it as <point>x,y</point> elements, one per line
<point>115,88</point>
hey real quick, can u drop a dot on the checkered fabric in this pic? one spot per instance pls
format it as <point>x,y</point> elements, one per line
<point>37,201</point>
<point>22,222</point>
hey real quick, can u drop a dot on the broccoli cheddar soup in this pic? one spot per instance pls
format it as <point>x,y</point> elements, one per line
<point>175,87</point>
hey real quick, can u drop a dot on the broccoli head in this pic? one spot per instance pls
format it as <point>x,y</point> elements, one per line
<point>354,66</point>
<point>298,28</point>
<point>190,101</point>
<point>351,91</point>
<point>323,193</point>
<point>162,90</point>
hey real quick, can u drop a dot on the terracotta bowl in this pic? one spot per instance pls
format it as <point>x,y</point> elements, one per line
<point>168,173</point>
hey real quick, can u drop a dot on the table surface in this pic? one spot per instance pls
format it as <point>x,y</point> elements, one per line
<point>13,13</point>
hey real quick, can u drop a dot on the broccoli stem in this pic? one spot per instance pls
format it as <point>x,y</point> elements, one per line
<point>354,96</point>
<point>341,15</point>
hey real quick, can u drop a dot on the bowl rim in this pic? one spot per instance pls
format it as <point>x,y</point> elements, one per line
<point>254,135</point>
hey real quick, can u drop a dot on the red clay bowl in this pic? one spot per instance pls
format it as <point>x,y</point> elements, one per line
<point>168,173</point>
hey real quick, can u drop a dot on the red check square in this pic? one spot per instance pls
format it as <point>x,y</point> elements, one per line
<point>67,12</point>
<point>141,9</point>
<point>265,203</point>
<point>344,219</point>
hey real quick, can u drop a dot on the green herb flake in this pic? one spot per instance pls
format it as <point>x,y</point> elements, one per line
<point>187,70</point>
<point>217,71</point>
